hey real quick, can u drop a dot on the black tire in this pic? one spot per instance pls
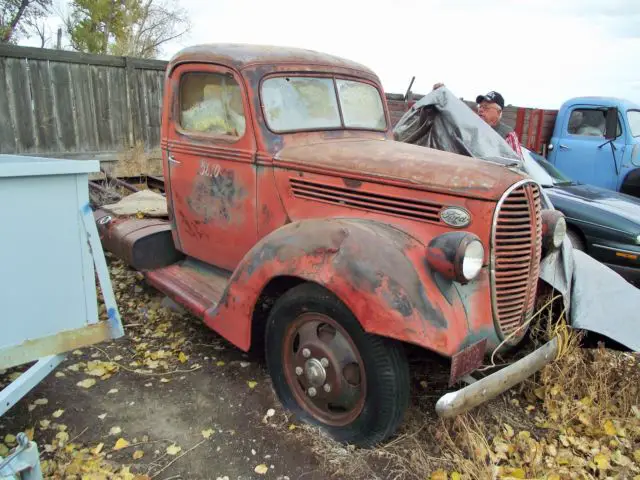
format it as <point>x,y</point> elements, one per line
<point>576,240</point>
<point>385,365</point>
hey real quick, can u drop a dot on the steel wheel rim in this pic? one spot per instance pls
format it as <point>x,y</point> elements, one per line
<point>317,351</point>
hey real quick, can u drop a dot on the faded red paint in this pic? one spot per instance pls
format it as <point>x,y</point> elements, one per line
<point>352,210</point>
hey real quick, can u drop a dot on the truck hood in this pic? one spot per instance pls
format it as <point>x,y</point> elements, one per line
<point>399,163</point>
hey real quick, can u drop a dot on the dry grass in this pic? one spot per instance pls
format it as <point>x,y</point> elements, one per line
<point>579,417</point>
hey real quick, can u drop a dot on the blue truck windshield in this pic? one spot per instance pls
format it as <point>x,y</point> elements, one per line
<point>634,122</point>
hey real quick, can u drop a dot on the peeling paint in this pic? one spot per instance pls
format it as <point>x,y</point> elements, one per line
<point>215,197</point>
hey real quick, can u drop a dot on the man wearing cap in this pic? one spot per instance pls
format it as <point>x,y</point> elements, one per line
<point>490,108</point>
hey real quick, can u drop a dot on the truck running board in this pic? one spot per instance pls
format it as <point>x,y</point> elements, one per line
<point>191,283</point>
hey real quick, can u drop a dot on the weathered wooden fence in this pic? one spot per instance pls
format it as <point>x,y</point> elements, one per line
<point>66,104</point>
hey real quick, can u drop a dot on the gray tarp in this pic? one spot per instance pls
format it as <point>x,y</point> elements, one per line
<point>596,297</point>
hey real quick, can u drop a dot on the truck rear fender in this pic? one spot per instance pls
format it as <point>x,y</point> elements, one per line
<point>379,272</point>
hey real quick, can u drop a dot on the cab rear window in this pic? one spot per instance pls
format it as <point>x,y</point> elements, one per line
<point>211,103</point>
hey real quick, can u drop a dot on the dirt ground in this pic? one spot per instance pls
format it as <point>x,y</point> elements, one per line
<point>173,400</point>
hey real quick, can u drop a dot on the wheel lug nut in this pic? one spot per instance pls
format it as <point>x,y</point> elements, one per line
<point>312,392</point>
<point>299,371</point>
<point>327,387</point>
<point>306,353</point>
<point>324,362</point>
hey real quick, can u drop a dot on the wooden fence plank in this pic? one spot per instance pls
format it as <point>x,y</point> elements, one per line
<point>7,135</point>
<point>64,109</point>
<point>21,94</point>
<point>85,124</point>
<point>100,87</point>
<point>118,103</point>
<point>42,89</point>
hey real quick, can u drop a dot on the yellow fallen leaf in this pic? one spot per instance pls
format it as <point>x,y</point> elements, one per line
<point>98,449</point>
<point>112,391</point>
<point>252,384</point>
<point>439,475</point>
<point>292,427</point>
<point>10,439</point>
<point>62,437</point>
<point>57,413</point>
<point>45,423</point>
<point>41,401</point>
<point>173,449</point>
<point>139,215</point>
<point>29,432</point>
<point>4,450</point>
<point>457,476</point>
<point>220,363</point>
<point>86,383</point>
<point>115,431</point>
<point>182,357</point>
<point>120,444</point>
<point>207,433</point>
<point>508,430</point>
<point>261,469</point>
<point>514,472</point>
<point>554,476</point>
<point>60,374</point>
<point>601,461</point>
<point>609,428</point>
<point>138,454</point>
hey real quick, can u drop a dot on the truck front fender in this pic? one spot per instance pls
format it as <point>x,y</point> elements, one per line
<point>378,271</point>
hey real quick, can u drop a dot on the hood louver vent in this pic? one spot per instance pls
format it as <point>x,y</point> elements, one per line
<point>374,202</point>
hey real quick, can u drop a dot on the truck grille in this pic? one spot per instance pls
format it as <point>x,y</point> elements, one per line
<point>515,256</point>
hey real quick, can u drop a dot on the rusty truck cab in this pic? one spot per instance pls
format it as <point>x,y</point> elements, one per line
<point>306,227</point>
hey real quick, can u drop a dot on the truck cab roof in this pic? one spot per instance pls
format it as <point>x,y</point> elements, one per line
<point>240,56</point>
<point>621,103</point>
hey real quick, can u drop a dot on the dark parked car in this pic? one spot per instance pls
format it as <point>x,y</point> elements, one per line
<point>603,223</point>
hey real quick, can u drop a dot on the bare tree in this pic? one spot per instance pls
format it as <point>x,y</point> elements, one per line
<point>15,15</point>
<point>149,27</point>
<point>38,28</point>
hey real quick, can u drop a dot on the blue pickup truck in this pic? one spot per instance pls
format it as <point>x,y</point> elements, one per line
<point>596,140</point>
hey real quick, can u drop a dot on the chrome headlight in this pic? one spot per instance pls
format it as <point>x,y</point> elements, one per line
<point>472,259</point>
<point>559,232</point>
<point>456,256</point>
<point>554,229</point>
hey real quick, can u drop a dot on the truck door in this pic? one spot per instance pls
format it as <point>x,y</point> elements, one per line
<point>579,151</point>
<point>210,160</point>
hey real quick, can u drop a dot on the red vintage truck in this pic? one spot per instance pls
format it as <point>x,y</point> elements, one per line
<point>298,225</point>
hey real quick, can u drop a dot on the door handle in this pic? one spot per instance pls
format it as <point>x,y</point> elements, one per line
<point>564,147</point>
<point>173,160</point>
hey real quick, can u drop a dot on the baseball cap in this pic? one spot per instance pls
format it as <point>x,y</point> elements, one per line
<point>491,97</point>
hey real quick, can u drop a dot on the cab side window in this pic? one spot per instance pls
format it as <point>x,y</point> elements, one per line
<point>588,122</point>
<point>211,103</point>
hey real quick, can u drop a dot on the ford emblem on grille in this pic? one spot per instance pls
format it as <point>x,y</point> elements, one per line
<point>455,217</point>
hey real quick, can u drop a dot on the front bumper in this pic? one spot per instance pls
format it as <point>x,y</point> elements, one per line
<point>460,401</point>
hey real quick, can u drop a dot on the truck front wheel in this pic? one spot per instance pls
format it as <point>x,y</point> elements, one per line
<point>330,372</point>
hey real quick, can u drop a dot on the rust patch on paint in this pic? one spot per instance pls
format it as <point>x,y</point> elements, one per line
<point>352,183</point>
<point>215,197</point>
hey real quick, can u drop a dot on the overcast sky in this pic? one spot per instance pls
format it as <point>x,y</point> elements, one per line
<point>537,53</point>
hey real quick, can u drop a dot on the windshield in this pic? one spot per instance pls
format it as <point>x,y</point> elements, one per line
<point>311,103</point>
<point>634,122</point>
<point>542,171</point>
